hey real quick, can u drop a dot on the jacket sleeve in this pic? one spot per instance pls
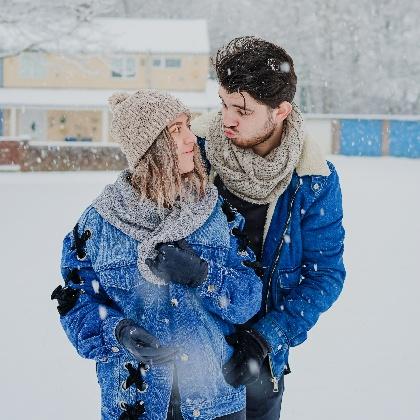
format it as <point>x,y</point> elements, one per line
<point>322,271</point>
<point>90,323</point>
<point>232,290</point>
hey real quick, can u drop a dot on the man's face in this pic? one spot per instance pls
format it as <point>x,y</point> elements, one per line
<point>246,122</point>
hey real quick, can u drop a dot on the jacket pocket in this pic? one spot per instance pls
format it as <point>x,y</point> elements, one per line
<point>284,282</point>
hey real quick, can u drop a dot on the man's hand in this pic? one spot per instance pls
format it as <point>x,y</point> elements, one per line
<point>250,351</point>
<point>177,262</point>
<point>141,344</point>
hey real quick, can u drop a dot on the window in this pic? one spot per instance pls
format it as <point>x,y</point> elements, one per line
<point>32,65</point>
<point>162,62</point>
<point>123,68</point>
<point>173,62</point>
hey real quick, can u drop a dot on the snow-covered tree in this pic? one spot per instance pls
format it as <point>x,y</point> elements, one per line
<point>27,25</point>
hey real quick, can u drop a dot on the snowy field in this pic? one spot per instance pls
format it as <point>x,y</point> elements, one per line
<point>361,361</point>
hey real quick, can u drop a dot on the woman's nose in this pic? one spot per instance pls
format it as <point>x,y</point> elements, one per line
<point>190,137</point>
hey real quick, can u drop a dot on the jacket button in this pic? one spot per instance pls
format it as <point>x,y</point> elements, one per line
<point>174,302</point>
<point>316,187</point>
<point>196,412</point>
<point>211,288</point>
<point>184,357</point>
<point>115,349</point>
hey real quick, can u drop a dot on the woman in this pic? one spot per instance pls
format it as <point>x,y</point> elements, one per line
<point>157,272</point>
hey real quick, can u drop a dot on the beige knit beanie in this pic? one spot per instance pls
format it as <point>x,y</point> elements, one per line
<point>138,119</point>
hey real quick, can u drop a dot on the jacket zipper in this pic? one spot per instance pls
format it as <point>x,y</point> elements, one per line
<point>273,379</point>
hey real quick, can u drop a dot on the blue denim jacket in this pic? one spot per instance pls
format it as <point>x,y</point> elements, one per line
<point>303,256</point>
<point>195,321</point>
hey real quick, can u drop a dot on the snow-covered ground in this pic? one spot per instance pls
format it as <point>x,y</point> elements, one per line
<point>361,361</point>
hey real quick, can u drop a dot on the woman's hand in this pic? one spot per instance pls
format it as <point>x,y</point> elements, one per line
<point>141,344</point>
<point>177,262</point>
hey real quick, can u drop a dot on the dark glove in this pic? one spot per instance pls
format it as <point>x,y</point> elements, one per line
<point>66,298</point>
<point>177,262</point>
<point>250,350</point>
<point>141,344</point>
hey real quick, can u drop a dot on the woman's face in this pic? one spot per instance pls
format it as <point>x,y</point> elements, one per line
<point>185,140</point>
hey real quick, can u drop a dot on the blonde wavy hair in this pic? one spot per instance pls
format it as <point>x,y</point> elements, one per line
<point>157,177</point>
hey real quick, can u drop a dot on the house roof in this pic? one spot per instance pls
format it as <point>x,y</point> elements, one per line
<point>126,35</point>
<point>96,98</point>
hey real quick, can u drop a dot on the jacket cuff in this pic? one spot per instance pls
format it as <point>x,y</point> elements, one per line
<point>270,330</point>
<point>110,340</point>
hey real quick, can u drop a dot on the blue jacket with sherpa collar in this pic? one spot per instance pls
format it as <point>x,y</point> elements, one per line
<point>302,252</point>
<point>109,287</point>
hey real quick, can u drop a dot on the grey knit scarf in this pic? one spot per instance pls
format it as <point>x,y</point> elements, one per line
<point>249,176</point>
<point>142,220</point>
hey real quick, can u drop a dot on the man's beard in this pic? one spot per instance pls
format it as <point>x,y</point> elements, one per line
<point>267,132</point>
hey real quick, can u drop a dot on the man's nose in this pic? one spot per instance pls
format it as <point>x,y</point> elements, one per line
<point>228,119</point>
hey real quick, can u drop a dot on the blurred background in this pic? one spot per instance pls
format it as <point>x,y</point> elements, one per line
<point>358,68</point>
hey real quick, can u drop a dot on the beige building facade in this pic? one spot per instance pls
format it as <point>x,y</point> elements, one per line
<point>183,72</point>
<point>60,94</point>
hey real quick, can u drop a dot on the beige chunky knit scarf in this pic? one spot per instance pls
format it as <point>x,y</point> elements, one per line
<point>249,176</point>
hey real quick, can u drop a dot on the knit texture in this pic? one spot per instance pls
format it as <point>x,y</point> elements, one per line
<point>138,119</point>
<point>142,220</point>
<point>253,178</point>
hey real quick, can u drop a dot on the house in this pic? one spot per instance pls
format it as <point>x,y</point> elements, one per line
<point>60,91</point>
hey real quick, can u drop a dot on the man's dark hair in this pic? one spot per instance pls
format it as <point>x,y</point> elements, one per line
<point>258,67</point>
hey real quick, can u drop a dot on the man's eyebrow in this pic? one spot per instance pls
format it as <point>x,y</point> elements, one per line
<point>238,106</point>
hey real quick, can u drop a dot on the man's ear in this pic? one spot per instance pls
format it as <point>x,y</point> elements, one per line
<point>282,111</point>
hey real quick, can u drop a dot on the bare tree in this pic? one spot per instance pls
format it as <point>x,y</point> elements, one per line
<point>27,26</point>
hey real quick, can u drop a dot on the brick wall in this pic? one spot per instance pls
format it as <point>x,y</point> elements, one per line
<point>44,157</point>
<point>10,152</point>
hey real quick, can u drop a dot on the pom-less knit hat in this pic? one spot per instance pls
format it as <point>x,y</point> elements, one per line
<point>138,119</point>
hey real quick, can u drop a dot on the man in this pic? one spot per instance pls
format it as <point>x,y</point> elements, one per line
<point>290,197</point>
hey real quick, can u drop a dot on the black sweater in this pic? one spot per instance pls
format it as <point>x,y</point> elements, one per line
<point>254,214</point>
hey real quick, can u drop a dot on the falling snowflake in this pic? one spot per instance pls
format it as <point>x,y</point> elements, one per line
<point>254,367</point>
<point>285,67</point>
<point>224,301</point>
<point>103,312</point>
<point>95,286</point>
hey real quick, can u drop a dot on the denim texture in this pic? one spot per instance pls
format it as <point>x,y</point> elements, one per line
<point>195,321</point>
<point>303,256</point>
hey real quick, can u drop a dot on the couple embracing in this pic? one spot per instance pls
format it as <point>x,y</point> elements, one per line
<point>190,278</point>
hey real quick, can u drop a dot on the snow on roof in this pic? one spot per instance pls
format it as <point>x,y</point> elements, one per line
<point>127,35</point>
<point>96,98</point>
